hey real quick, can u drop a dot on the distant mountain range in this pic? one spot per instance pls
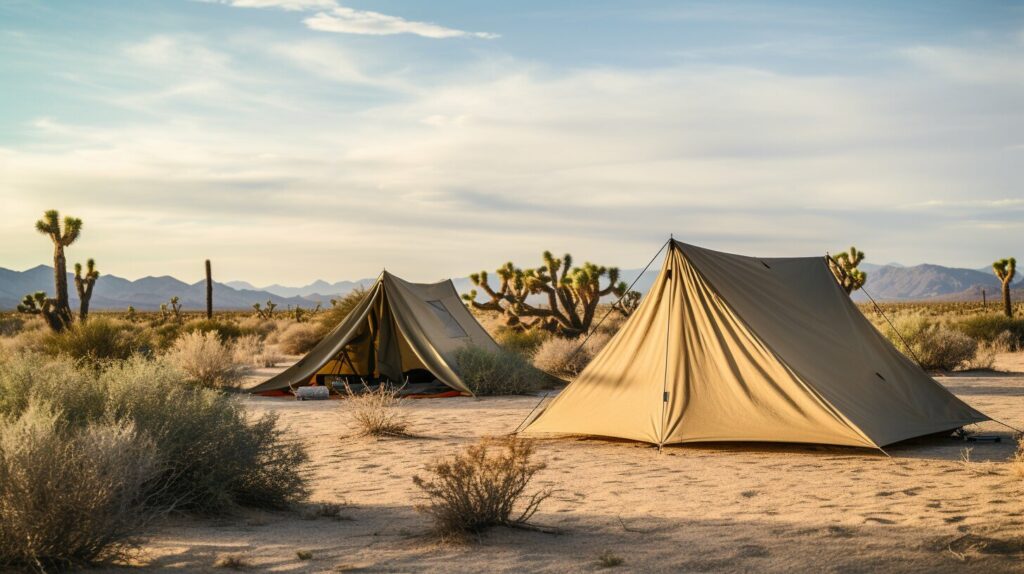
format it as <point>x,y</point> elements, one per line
<point>890,282</point>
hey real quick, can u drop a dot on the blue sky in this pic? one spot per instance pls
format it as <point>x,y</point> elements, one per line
<point>297,139</point>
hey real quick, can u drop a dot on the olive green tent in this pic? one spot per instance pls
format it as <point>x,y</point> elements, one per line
<point>398,328</point>
<point>732,348</point>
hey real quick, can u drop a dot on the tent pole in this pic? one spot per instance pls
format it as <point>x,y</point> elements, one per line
<point>668,333</point>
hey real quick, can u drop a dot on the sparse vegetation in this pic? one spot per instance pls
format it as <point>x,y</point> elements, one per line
<point>483,486</point>
<point>233,562</point>
<point>204,360</point>
<point>377,412</point>
<point>299,338</point>
<point>100,339</point>
<point>70,498</point>
<point>499,372</point>
<point>609,559</point>
<point>934,345</point>
<point>303,554</point>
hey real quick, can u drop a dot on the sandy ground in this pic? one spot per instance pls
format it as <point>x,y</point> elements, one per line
<point>720,508</point>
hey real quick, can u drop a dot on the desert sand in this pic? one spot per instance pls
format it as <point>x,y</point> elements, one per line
<point>721,508</point>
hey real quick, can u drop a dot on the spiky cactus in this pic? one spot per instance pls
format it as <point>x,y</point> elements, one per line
<point>50,225</point>
<point>573,294</point>
<point>1005,270</point>
<point>84,285</point>
<point>209,291</point>
<point>844,267</point>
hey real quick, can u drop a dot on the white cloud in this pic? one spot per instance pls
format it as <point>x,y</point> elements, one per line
<point>349,21</point>
<point>333,17</point>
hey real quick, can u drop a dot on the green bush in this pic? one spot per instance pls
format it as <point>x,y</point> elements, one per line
<point>523,342</point>
<point>99,339</point>
<point>225,330</point>
<point>499,372</point>
<point>70,498</point>
<point>212,456</point>
<point>935,346</point>
<point>990,328</point>
<point>165,334</point>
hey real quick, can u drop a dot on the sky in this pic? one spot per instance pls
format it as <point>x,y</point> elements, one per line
<point>290,140</point>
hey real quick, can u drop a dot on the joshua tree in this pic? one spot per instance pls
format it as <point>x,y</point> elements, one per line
<point>1005,270</point>
<point>50,226</point>
<point>844,267</point>
<point>265,312</point>
<point>38,304</point>
<point>209,291</point>
<point>171,309</point>
<point>84,285</point>
<point>573,294</point>
<point>131,313</point>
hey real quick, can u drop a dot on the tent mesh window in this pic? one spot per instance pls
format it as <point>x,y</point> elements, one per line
<point>451,326</point>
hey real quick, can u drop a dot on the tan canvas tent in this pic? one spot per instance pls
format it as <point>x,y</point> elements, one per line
<point>732,348</point>
<point>398,328</point>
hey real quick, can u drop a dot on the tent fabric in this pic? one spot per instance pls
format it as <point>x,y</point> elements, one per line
<point>398,327</point>
<point>732,348</point>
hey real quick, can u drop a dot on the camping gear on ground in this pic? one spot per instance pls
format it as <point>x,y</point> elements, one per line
<point>732,348</point>
<point>312,393</point>
<point>399,331</point>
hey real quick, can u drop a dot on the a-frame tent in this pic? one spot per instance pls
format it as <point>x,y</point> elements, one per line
<point>732,348</point>
<point>398,328</point>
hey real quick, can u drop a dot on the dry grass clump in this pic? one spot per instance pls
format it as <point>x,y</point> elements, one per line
<point>499,372</point>
<point>99,339</point>
<point>936,346</point>
<point>481,487</point>
<point>522,342</point>
<point>204,360</point>
<point>11,325</point>
<point>71,498</point>
<point>565,357</point>
<point>377,412</point>
<point>1018,460</point>
<point>299,338</point>
<point>246,349</point>
<point>233,562</point>
<point>609,559</point>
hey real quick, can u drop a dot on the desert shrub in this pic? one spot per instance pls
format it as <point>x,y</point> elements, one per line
<point>566,357</point>
<point>934,345</point>
<point>340,308</point>
<point>481,487</point>
<point>11,325</point>
<point>70,498</point>
<point>990,328</point>
<point>377,412</point>
<point>247,349</point>
<point>498,372</point>
<point>1018,460</point>
<point>212,455</point>
<point>225,330</point>
<point>299,338</point>
<point>165,334</point>
<point>257,326</point>
<point>99,339</point>
<point>204,360</point>
<point>609,559</point>
<point>523,342</point>
<point>268,358</point>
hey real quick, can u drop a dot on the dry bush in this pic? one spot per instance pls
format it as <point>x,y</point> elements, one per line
<point>565,357</point>
<point>204,360</point>
<point>498,372</point>
<point>232,562</point>
<point>247,349</point>
<point>11,325</point>
<point>377,412</point>
<point>213,455</point>
<point>609,559</point>
<point>935,345</point>
<point>257,326</point>
<point>70,498</point>
<point>991,328</point>
<point>481,487</point>
<point>1018,460</point>
<point>225,329</point>
<point>339,309</point>
<point>99,339</point>
<point>299,338</point>
<point>269,358</point>
<point>519,341</point>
